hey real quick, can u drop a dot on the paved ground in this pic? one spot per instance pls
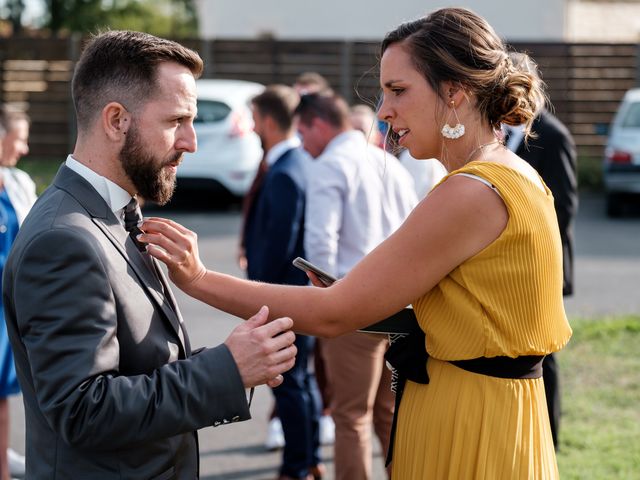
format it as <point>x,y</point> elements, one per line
<point>608,280</point>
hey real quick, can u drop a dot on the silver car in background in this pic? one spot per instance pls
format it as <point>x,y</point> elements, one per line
<point>621,166</point>
<point>228,149</point>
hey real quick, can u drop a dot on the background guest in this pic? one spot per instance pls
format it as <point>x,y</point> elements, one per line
<point>274,236</point>
<point>426,173</point>
<point>306,83</point>
<point>310,82</point>
<point>363,118</point>
<point>357,196</point>
<point>17,195</point>
<point>552,152</point>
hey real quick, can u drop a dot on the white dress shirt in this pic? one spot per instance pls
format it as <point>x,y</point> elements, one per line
<point>426,173</point>
<point>115,196</point>
<point>357,195</point>
<point>516,136</point>
<point>281,148</point>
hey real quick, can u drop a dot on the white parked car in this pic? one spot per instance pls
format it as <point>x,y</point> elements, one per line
<point>621,166</point>
<point>228,149</point>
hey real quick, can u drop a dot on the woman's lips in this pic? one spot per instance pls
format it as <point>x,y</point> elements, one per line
<point>402,133</point>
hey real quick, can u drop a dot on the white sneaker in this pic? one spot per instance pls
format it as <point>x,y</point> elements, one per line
<point>16,463</point>
<point>327,430</point>
<point>275,435</point>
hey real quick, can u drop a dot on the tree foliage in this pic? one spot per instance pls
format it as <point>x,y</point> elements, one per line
<point>173,18</point>
<point>12,11</point>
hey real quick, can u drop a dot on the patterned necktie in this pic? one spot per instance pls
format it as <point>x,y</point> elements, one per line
<point>132,220</point>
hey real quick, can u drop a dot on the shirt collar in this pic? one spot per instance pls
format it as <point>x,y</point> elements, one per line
<point>516,134</point>
<point>115,196</point>
<point>280,148</point>
<point>344,137</point>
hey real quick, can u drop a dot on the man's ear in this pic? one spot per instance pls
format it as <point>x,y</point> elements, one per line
<point>268,122</point>
<point>115,120</point>
<point>319,125</point>
<point>323,131</point>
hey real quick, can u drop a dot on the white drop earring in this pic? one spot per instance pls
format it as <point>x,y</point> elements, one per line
<point>453,132</point>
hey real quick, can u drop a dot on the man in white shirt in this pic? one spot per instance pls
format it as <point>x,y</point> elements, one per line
<point>426,173</point>
<point>357,195</point>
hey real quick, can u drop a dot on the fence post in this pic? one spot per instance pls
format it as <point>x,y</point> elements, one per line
<point>2,59</point>
<point>274,48</point>
<point>638,65</point>
<point>346,85</point>
<point>73,53</point>
<point>206,48</point>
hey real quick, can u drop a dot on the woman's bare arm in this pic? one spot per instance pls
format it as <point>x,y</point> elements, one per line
<point>457,220</point>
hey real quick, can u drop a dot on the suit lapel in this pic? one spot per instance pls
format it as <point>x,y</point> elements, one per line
<point>107,222</point>
<point>121,241</point>
<point>172,302</point>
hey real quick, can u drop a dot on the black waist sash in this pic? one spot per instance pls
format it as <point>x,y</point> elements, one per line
<point>408,357</point>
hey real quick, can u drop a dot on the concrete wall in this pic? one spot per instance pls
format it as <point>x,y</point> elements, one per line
<point>369,19</point>
<point>603,21</point>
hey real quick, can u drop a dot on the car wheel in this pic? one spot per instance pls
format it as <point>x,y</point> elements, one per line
<point>614,205</point>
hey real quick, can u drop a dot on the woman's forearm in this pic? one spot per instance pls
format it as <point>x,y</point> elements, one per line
<point>306,306</point>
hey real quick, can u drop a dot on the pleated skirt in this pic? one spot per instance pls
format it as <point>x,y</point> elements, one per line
<point>464,425</point>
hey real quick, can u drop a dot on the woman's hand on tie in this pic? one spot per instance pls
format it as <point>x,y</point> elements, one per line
<point>175,246</point>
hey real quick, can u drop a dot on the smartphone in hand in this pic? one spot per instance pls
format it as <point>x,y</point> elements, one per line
<point>307,266</point>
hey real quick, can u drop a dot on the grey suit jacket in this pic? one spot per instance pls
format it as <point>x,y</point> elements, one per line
<point>110,387</point>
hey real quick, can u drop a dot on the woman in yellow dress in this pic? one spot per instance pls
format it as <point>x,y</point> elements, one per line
<point>479,258</point>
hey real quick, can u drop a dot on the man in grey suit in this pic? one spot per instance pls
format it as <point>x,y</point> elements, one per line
<point>111,387</point>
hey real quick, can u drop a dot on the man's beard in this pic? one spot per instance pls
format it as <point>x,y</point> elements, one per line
<point>147,173</point>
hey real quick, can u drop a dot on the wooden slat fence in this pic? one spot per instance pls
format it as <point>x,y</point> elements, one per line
<point>585,81</point>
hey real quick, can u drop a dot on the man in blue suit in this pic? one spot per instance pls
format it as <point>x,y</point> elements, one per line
<point>273,238</point>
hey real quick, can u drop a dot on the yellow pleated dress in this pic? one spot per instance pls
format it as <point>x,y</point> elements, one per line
<point>504,301</point>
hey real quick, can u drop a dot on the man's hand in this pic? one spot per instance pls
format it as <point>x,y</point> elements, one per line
<point>262,350</point>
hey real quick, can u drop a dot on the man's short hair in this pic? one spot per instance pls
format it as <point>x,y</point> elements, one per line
<point>279,102</point>
<point>312,82</point>
<point>121,66</point>
<point>328,106</point>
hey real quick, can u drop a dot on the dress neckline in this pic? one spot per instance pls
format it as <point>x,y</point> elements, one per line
<point>546,190</point>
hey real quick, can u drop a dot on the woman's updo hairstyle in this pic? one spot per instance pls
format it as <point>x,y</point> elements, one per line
<point>456,45</point>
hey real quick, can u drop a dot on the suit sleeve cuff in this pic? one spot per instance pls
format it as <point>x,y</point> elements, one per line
<point>225,387</point>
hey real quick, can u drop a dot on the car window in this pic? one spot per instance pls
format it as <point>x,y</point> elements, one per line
<point>211,111</point>
<point>632,117</point>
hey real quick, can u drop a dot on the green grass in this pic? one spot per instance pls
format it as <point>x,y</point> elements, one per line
<point>590,173</point>
<point>42,170</point>
<point>600,374</point>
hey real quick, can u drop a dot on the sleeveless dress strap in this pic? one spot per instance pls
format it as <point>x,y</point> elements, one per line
<point>480,179</point>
